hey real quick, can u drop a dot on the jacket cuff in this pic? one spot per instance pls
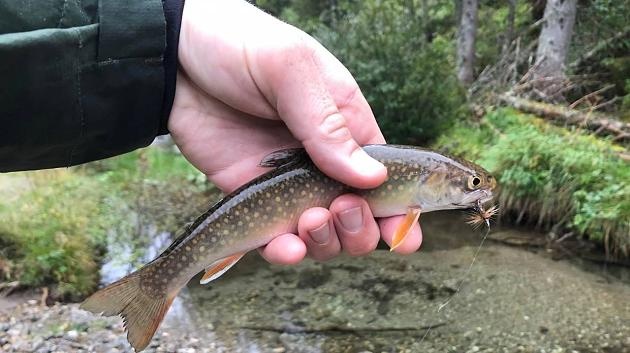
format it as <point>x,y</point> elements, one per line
<point>173,10</point>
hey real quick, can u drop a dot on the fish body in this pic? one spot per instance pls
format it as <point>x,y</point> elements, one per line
<point>418,181</point>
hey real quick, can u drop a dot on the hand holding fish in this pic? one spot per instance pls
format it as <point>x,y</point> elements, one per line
<point>249,85</point>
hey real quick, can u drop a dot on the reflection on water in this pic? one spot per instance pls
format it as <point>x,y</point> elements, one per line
<point>513,297</point>
<point>125,256</point>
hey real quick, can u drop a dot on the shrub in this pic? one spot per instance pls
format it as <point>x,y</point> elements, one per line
<point>408,81</point>
<point>53,236</point>
<point>56,225</point>
<point>550,176</point>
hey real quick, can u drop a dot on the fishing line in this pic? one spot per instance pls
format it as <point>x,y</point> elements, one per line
<point>461,282</point>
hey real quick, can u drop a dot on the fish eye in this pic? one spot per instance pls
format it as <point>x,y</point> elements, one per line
<point>473,182</point>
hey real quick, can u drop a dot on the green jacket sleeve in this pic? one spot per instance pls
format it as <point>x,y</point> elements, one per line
<point>79,80</point>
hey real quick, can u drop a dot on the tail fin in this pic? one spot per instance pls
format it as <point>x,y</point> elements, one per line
<point>141,313</point>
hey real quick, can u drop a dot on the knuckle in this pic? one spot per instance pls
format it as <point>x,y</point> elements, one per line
<point>334,129</point>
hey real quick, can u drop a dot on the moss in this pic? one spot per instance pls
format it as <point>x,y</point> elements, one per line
<point>551,177</point>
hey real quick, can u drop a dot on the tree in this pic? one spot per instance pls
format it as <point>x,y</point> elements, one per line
<point>554,39</point>
<point>466,42</point>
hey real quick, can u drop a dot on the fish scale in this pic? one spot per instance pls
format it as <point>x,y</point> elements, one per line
<point>418,180</point>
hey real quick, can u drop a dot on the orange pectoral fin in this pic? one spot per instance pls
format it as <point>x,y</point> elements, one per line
<point>405,226</point>
<point>219,267</point>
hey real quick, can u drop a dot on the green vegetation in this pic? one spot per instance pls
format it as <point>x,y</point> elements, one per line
<point>406,76</point>
<point>551,177</point>
<point>56,224</point>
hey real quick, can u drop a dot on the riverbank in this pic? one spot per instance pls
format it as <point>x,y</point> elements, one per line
<point>513,300</point>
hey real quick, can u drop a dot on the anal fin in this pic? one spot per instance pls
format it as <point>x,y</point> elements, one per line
<point>219,267</point>
<point>413,213</point>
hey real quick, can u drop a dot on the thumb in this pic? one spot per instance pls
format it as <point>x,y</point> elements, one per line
<point>329,142</point>
<point>298,90</point>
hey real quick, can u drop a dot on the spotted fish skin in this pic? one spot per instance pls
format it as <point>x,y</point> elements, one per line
<point>271,205</point>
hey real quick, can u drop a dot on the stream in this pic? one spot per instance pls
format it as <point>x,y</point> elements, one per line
<point>514,299</point>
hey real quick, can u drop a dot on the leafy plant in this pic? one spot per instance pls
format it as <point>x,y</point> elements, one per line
<point>57,224</point>
<point>551,177</point>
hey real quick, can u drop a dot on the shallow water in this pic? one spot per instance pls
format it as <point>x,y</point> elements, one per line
<point>513,299</point>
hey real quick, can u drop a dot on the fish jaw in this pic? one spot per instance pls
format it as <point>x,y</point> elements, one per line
<point>473,198</point>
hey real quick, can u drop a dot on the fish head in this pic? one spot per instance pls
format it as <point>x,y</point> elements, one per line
<point>454,184</point>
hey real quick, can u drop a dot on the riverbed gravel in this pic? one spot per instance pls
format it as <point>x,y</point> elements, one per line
<point>512,301</point>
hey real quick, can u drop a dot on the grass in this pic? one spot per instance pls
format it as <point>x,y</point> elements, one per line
<point>553,178</point>
<point>55,224</point>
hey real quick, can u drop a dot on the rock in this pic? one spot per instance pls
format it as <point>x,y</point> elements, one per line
<point>186,350</point>
<point>14,332</point>
<point>72,335</point>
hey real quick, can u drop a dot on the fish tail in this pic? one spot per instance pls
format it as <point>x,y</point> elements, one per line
<point>142,310</point>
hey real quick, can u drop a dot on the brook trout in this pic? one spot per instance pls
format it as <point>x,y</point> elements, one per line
<point>418,181</point>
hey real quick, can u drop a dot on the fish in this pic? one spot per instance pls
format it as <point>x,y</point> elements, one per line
<point>418,181</point>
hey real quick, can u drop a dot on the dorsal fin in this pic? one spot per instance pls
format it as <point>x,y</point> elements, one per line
<point>282,157</point>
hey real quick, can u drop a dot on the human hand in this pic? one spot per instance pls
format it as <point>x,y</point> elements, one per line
<point>250,84</point>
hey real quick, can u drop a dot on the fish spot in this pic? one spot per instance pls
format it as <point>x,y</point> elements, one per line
<point>389,187</point>
<point>277,199</point>
<point>226,232</point>
<point>400,187</point>
<point>202,248</point>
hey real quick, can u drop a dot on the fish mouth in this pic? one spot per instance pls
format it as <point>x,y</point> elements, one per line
<point>475,198</point>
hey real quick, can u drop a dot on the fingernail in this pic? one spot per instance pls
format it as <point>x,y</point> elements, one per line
<point>321,234</point>
<point>362,162</point>
<point>352,219</point>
